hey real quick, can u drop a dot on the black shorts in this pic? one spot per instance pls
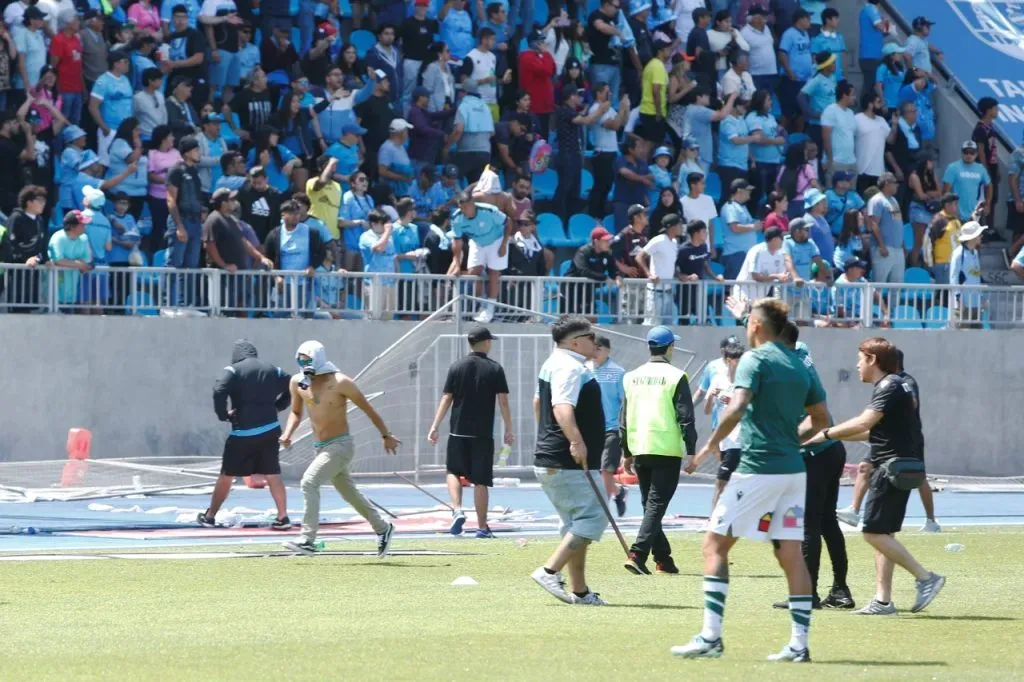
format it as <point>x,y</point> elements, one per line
<point>611,456</point>
<point>650,128</point>
<point>885,507</point>
<point>730,460</point>
<point>472,458</point>
<point>248,455</point>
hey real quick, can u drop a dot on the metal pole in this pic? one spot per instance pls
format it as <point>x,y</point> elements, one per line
<point>417,427</point>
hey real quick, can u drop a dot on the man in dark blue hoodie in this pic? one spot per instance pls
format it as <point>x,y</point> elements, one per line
<point>257,391</point>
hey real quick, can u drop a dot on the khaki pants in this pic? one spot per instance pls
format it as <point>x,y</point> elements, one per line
<point>332,462</point>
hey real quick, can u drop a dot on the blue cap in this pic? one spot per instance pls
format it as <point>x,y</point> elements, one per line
<point>659,337</point>
<point>89,157</point>
<point>844,176</point>
<point>352,129</point>
<point>690,143</point>
<point>72,133</point>
<point>662,151</point>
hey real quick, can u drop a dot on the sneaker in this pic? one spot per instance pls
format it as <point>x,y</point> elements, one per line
<point>384,541</point>
<point>636,565</point>
<point>839,598</point>
<point>698,647</point>
<point>667,566</point>
<point>849,516</point>
<point>485,534</point>
<point>930,526</point>
<point>877,608</point>
<point>927,590</point>
<point>458,521</point>
<point>784,604</point>
<point>620,501</point>
<point>792,655</point>
<point>205,521</point>
<point>553,583</point>
<point>486,314</point>
<point>590,599</point>
<point>283,523</point>
<point>302,546</point>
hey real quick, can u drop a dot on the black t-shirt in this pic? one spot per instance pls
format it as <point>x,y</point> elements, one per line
<point>193,43</point>
<point>643,41</point>
<point>626,244</point>
<point>705,63</point>
<point>416,37</point>
<point>564,377</point>
<point>262,210</point>
<point>438,260</point>
<point>898,433</point>
<point>600,43</point>
<point>375,114</point>
<point>253,109</point>
<point>567,131</point>
<point>227,235</point>
<point>11,180</point>
<point>225,35</point>
<point>474,382</point>
<point>519,153</point>
<point>691,259</point>
<point>185,179</point>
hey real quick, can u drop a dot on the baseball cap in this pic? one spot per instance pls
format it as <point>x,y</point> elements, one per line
<point>420,91</point>
<point>451,171</point>
<point>969,144</point>
<point>757,11</point>
<point>662,151</point>
<point>422,3</point>
<point>660,336</point>
<point>223,193</point>
<point>948,199</point>
<point>600,233</point>
<point>690,143</point>
<point>671,220</point>
<point>399,124</point>
<point>88,158</point>
<point>843,176</point>
<point>213,118</point>
<point>892,48</point>
<point>33,12</point>
<point>535,37</point>
<point>325,30</point>
<point>181,80</point>
<point>478,334</point>
<point>568,91</point>
<point>728,341</point>
<point>188,143</point>
<point>352,129</point>
<point>855,263</point>
<point>635,210</point>
<point>661,45</point>
<point>801,14</point>
<point>639,7</point>
<point>738,184</point>
<point>921,22</point>
<point>76,217</point>
<point>799,223</point>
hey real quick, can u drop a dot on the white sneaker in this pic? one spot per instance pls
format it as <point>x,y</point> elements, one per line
<point>849,516</point>
<point>458,521</point>
<point>591,599</point>
<point>553,583</point>
<point>877,608</point>
<point>486,314</point>
<point>698,647</point>
<point>930,526</point>
<point>792,655</point>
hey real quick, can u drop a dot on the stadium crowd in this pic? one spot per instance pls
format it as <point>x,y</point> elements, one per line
<point>416,136</point>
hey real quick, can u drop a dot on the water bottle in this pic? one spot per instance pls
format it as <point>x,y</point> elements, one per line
<point>503,455</point>
<point>954,547</point>
<point>320,545</point>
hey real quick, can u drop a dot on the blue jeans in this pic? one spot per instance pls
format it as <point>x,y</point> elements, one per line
<point>71,106</point>
<point>307,24</point>
<point>607,73</point>
<point>660,306</point>
<point>184,254</point>
<point>523,8</point>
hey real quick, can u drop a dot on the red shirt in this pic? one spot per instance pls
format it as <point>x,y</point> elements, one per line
<point>68,49</point>
<point>536,69</point>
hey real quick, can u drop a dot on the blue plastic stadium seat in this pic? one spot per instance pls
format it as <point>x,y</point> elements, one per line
<point>713,186</point>
<point>717,268</point>
<point>609,224</point>
<point>160,258</point>
<point>363,40</point>
<point>586,184</point>
<point>604,313</point>
<point>563,267</point>
<point>580,226</point>
<point>550,231</point>
<point>720,227</point>
<point>917,276</point>
<point>906,317</point>
<point>915,296</point>
<point>908,236</point>
<point>937,317</point>
<point>545,184</point>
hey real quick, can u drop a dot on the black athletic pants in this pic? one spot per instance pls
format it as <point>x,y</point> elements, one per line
<point>823,473</point>
<point>658,477</point>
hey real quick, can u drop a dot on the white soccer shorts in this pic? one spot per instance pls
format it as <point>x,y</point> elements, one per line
<point>487,256</point>
<point>761,507</point>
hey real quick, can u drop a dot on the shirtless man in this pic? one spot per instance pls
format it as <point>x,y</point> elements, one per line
<point>326,392</point>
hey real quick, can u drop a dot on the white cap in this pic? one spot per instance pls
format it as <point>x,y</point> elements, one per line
<point>399,124</point>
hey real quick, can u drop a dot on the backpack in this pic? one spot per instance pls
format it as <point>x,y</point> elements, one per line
<point>540,156</point>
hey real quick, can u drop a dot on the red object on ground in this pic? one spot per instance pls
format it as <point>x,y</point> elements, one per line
<point>79,449</point>
<point>625,479</point>
<point>255,481</point>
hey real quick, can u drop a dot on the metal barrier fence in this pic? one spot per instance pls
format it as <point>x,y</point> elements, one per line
<point>383,296</point>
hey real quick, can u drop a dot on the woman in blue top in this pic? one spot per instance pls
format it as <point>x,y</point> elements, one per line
<point>124,150</point>
<point>356,205</point>
<point>889,76</point>
<point>276,159</point>
<point>767,151</point>
<point>849,244</point>
<point>300,128</point>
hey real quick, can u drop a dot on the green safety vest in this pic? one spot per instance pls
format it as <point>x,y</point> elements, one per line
<point>651,424</point>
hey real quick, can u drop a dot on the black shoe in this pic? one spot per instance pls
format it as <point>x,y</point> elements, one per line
<point>839,598</point>
<point>205,521</point>
<point>307,547</point>
<point>666,566</point>
<point>620,501</point>
<point>384,541</point>
<point>815,604</point>
<point>636,565</point>
<point>283,523</point>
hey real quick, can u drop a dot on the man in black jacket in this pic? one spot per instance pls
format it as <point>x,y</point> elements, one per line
<point>593,261</point>
<point>25,244</point>
<point>258,391</point>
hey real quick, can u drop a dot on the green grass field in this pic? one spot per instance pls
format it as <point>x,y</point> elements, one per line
<point>360,619</point>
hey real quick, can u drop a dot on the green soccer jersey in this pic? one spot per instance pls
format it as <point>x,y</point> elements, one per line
<point>782,387</point>
<point>804,353</point>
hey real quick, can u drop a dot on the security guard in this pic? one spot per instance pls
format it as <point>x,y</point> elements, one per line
<point>657,428</point>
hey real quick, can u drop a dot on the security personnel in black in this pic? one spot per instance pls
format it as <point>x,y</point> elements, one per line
<point>257,391</point>
<point>657,429</point>
<point>594,262</point>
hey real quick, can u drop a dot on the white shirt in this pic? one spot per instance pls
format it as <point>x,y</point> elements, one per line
<point>559,54</point>
<point>763,262</point>
<point>701,208</point>
<point>485,65</point>
<point>663,252</point>
<point>725,389</point>
<point>719,40</point>
<point>762,51</point>
<point>734,82</point>
<point>871,134</point>
<point>604,139</point>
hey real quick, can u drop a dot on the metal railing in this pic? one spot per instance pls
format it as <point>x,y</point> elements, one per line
<point>384,296</point>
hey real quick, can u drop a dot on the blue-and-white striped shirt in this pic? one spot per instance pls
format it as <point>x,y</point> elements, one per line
<point>609,378</point>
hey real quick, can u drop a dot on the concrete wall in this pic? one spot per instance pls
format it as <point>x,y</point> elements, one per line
<point>143,385</point>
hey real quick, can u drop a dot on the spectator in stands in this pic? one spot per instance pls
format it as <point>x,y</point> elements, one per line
<point>885,225</point>
<point>734,140</point>
<point>233,174</point>
<point>889,77</point>
<point>526,257</point>
<point>593,261</point>
<point>522,195</point>
<point>796,62</point>
<point>377,113</point>
<point>724,39</point>
<point>764,263</point>
<point>66,57</point>
<point>851,242</point>
<point>509,154</point>
<point>149,105</point>
<point>393,163</point>
<point>839,131</point>
<point>693,263</point>
<point>778,211</point>
<point>763,65</point>
<point>965,270</point>
<point>110,101</point>
<point>817,206</point>
<point>924,201</point>
<point>69,250</point>
<point>1015,207</point>
<point>127,149</point>
<point>474,127</point>
<point>796,177</point>
<point>30,41</point>
<point>738,78</point>
<point>294,245</point>
<point>602,28</point>
<point>536,75</point>
<point>741,228</point>
<point>8,63</point>
<point>699,117</point>
<point>658,259</point>
<point>384,56</point>
<point>919,51</point>
<point>188,50</point>
<point>632,179</point>
<point>654,102</point>
<point>94,47</point>
<point>184,207</point>
<point>228,249</point>
<point>378,255</point>
<point>901,152</point>
<point>817,94</point>
<point>766,149</point>
<point>699,206</point>
<point>181,112</point>
<point>486,227</point>
<point>481,67</point>
<point>689,162</point>
<point>919,88</point>
<point>569,161</point>
<point>457,30</point>
<point>162,156</point>
<point>842,198</point>
<point>606,146</point>
<point>873,30</point>
<point>944,236</point>
<point>873,134</point>
<point>625,247</point>
<point>845,305</point>
<point>969,180</point>
<point>801,252</point>
<point>427,134</point>
<point>698,50</point>
<point>667,202</point>
<point>26,244</point>
<point>260,203</point>
<point>987,139</point>
<point>830,40</point>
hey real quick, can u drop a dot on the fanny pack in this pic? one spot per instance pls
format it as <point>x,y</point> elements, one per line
<point>904,473</point>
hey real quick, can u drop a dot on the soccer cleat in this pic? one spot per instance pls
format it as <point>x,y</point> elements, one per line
<point>484,534</point>
<point>930,526</point>
<point>283,523</point>
<point>553,583</point>
<point>636,565</point>
<point>458,521</point>
<point>384,541</point>
<point>620,501</point>
<point>667,566</point>
<point>792,655</point>
<point>849,516</point>
<point>205,521</point>
<point>877,608</point>
<point>307,547</point>
<point>698,647</point>
<point>589,599</point>
<point>927,590</point>
<point>839,598</point>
